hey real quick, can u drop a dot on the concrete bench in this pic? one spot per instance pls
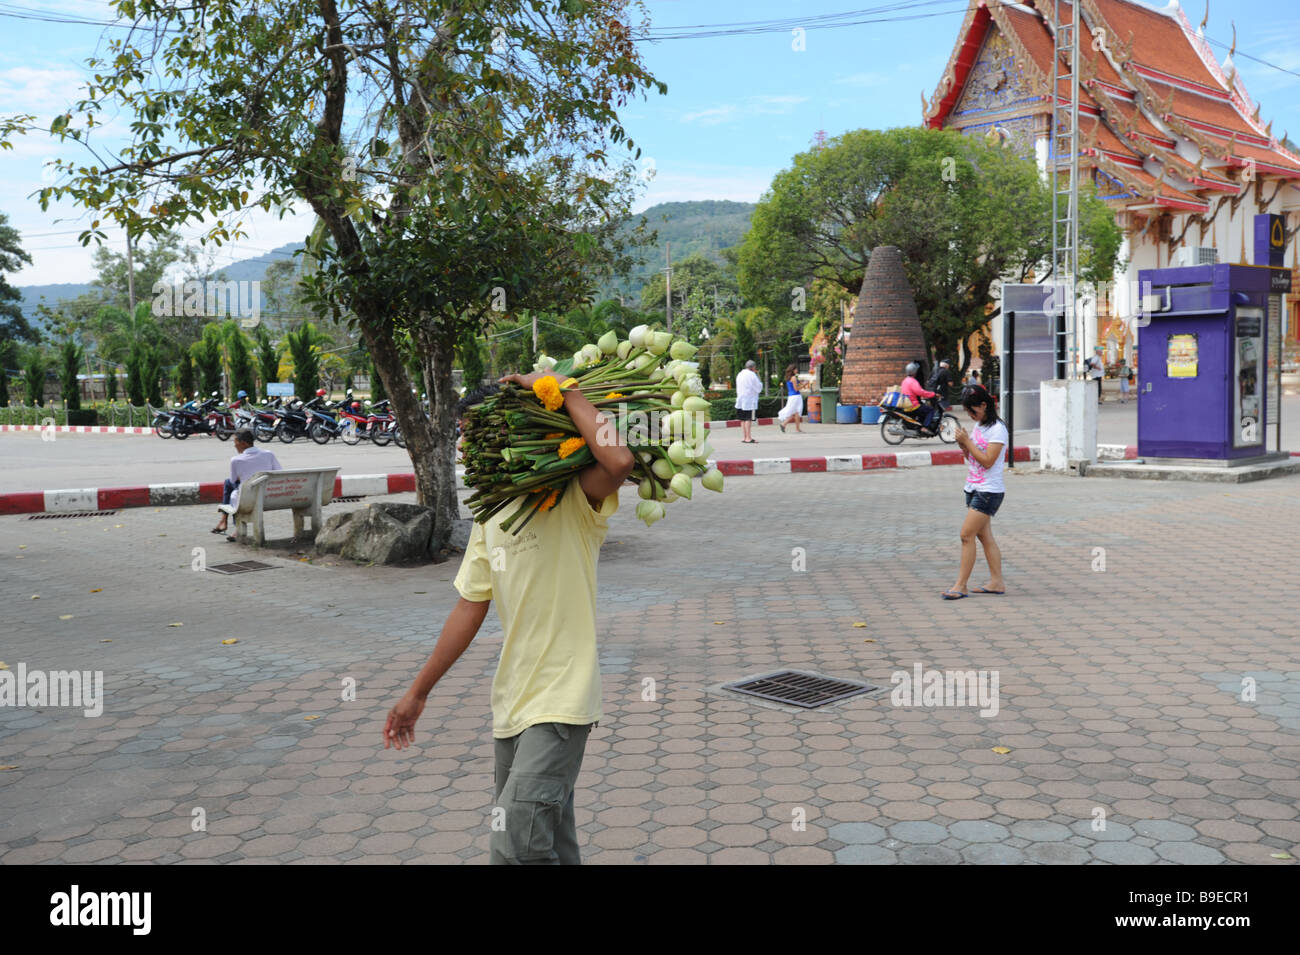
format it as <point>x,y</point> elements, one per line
<point>304,491</point>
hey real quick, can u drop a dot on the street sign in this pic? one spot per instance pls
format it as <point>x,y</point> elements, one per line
<point>279,389</point>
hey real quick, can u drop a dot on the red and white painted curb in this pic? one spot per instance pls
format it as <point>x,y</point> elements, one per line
<point>367,485</point>
<point>166,495</point>
<point>75,429</point>
<point>898,459</point>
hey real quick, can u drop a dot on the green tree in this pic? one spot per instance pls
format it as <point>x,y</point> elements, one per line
<point>150,261</point>
<point>241,362</point>
<point>70,356</point>
<point>34,376</point>
<point>964,213</point>
<point>304,352</point>
<point>268,359</point>
<point>206,353</point>
<point>471,361</point>
<point>110,381</point>
<point>151,375</point>
<point>185,375</point>
<point>135,359</point>
<point>743,347</point>
<point>448,150</point>
<point>7,351</point>
<point>13,325</point>
<point>703,291</point>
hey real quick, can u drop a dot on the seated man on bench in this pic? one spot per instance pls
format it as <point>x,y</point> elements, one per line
<point>248,460</point>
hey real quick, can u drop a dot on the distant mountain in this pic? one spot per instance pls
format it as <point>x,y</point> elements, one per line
<point>707,226</point>
<point>245,270</point>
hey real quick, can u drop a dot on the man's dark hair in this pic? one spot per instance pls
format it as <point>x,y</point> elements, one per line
<point>477,396</point>
<point>244,436</point>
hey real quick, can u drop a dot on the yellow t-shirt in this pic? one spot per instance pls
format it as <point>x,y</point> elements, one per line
<point>544,584</point>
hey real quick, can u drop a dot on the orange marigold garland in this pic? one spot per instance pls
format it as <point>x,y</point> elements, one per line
<point>547,390</point>
<point>572,445</point>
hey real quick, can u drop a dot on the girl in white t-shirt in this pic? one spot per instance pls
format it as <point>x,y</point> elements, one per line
<point>985,447</point>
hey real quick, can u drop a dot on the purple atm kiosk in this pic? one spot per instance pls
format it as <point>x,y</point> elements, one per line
<point>1202,362</point>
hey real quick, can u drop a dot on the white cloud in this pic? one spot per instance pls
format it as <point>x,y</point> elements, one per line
<point>750,107</point>
<point>711,117</point>
<point>29,89</point>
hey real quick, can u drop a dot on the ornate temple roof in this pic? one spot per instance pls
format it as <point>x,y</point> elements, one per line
<point>1160,118</point>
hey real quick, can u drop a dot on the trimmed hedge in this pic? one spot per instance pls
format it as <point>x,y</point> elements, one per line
<point>82,417</point>
<point>724,409</point>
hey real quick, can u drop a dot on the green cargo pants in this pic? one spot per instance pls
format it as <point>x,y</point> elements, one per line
<point>536,771</point>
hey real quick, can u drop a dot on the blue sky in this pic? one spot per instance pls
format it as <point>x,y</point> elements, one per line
<point>738,108</point>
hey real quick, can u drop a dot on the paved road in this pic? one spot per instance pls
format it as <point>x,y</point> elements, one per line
<point>113,460</point>
<point>1120,689</point>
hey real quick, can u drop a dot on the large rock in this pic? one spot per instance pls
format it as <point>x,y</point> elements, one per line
<point>384,533</point>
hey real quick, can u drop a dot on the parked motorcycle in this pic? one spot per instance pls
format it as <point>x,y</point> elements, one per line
<point>324,426</point>
<point>195,418</point>
<point>897,425</point>
<point>294,420</point>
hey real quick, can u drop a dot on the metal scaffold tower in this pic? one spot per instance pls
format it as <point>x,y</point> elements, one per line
<point>1065,196</point>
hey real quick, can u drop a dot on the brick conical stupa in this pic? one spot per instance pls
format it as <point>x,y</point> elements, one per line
<point>886,331</point>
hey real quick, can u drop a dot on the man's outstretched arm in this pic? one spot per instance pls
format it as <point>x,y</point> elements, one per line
<point>457,633</point>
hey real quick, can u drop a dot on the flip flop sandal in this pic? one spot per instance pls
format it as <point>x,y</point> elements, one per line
<point>985,590</point>
<point>954,595</point>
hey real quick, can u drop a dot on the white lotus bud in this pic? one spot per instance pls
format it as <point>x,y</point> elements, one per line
<point>656,374</point>
<point>677,399</point>
<point>544,363</point>
<point>693,386</point>
<point>662,469</point>
<point>678,454</point>
<point>681,484</point>
<point>637,336</point>
<point>579,359</point>
<point>712,480</point>
<point>659,342</point>
<point>608,343</point>
<point>650,511</point>
<point>644,490</point>
<point>683,349</point>
<point>696,405</point>
<point>591,353</point>
<point>624,349</point>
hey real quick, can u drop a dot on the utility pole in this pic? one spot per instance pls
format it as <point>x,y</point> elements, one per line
<point>130,273</point>
<point>668,285</point>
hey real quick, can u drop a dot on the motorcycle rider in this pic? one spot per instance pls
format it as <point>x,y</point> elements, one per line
<point>940,382</point>
<point>913,390</point>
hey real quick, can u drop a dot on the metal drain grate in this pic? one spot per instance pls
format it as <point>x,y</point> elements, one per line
<point>240,567</point>
<point>345,500</point>
<point>51,517</point>
<point>793,688</point>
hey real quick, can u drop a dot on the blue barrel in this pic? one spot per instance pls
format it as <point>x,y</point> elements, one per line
<point>870,414</point>
<point>846,414</point>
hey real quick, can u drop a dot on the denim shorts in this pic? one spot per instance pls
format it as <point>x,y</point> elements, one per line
<point>986,502</point>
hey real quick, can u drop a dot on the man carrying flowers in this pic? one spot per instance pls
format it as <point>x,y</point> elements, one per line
<point>546,692</point>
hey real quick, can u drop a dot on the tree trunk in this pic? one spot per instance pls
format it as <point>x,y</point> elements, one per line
<point>438,358</point>
<point>388,364</point>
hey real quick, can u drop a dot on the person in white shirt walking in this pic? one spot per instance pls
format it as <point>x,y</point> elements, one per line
<point>984,446</point>
<point>747,390</point>
<point>248,460</point>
